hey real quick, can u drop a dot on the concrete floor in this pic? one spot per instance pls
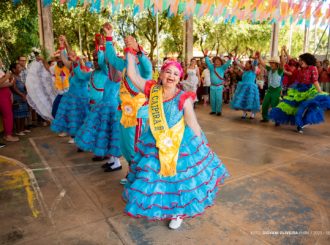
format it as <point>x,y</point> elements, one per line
<point>278,193</point>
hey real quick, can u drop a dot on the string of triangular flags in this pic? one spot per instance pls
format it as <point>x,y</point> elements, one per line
<point>280,11</point>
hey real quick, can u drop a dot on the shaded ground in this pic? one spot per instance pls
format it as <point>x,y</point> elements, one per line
<point>278,193</point>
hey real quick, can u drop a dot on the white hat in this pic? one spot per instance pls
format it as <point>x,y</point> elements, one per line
<point>274,59</point>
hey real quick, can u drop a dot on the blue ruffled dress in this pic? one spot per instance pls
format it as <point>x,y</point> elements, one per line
<point>130,135</point>
<point>246,95</point>
<point>73,108</point>
<point>190,191</point>
<point>100,133</point>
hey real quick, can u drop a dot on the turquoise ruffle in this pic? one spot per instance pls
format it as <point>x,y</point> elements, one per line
<point>246,95</point>
<point>100,131</point>
<point>187,194</point>
<point>71,113</point>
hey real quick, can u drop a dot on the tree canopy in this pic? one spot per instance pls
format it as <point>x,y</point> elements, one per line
<point>19,29</point>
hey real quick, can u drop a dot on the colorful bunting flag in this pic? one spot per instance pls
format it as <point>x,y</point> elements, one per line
<point>231,10</point>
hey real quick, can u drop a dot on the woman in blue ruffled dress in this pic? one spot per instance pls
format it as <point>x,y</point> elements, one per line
<point>246,97</point>
<point>132,108</point>
<point>74,105</point>
<point>100,132</point>
<point>174,175</point>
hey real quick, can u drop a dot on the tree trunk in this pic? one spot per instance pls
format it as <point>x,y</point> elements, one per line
<point>86,42</point>
<point>152,50</point>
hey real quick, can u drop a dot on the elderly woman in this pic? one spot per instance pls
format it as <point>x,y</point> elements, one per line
<point>305,102</point>
<point>217,73</point>
<point>174,175</point>
<point>74,105</point>
<point>20,105</point>
<point>246,97</point>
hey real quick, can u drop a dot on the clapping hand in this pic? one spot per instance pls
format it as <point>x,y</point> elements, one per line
<point>107,29</point>
<point>205,52</point>
<point>130,42</point>
<point>72,55</point>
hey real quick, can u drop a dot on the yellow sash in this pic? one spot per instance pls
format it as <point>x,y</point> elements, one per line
<point>61,83</point>
<point>130,105</point>
<point>168,140</point>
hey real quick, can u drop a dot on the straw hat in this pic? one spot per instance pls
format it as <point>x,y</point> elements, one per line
<point>274,59</point>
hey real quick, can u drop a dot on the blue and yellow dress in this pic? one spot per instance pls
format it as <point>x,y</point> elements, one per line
<point>74,106</point>
<point>132,108</point>
<point>100,132</point>
<point>186,182</point>
<point>246,95</point>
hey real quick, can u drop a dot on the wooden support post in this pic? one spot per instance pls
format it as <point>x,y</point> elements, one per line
<point>274,40</point>
<point>188,40</point>
<point>46,34</point>
<point>306,39</point>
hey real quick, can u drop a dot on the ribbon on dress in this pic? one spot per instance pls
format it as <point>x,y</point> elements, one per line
<point>168,140</point>
<point>130,104</point>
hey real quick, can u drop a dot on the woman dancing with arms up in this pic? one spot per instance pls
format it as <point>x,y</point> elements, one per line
<point>305,102</point>
<point>174,175</point>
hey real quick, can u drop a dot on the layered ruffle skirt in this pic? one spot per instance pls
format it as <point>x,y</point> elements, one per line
<point>303,105</point>
<point>100,132</point>
<point>246,97</point>
<point>71,114</point>
<point>186,194</point>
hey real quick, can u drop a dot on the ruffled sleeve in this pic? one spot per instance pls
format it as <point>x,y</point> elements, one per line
<point>184,97</point>
<point>148,86</point>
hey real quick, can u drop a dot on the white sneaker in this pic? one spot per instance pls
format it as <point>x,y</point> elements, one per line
<point>20,133</point>
<point>62,134</point>
<point>123,181</point>
<point>27,131</point>
<point>306,125</point>
<point>175,223</point>
<point>71,141</point>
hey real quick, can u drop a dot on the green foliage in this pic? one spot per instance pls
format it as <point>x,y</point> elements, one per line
<point>146,28</point>
<point>19,31</point>
<point>18,28</point>
<point>173,36</point>
<point>297,45</point>
<point>143,27</point>
<point>78,25</point>
<point>241,38</point>
<point>124,23</point>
